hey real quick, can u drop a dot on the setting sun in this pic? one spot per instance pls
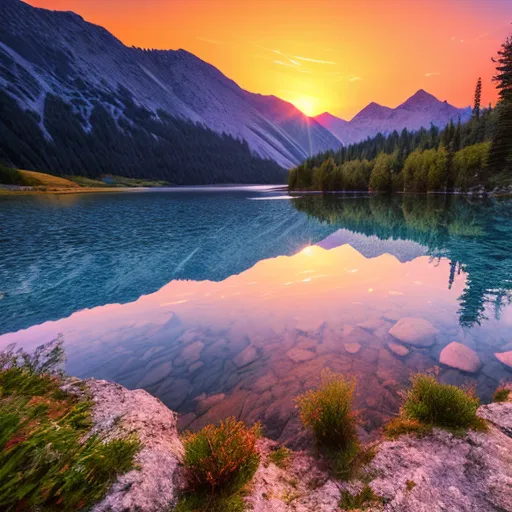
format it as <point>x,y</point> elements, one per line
<point>306,104</point>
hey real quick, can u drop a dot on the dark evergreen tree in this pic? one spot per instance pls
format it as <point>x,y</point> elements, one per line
<point>500,158</point>
<point>478,97</point>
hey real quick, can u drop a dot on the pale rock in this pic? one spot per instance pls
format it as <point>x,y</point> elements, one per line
<point>460,357</point>
<point>505,358</point>
<point>414,331</point>
<point>118,413</point>
<point>352,348</point>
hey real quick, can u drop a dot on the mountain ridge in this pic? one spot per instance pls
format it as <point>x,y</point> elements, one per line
<point>55,61</point>
<point>418,111</point>
<point>50,50</point>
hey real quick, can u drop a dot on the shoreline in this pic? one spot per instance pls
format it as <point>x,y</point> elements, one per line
<point>6,192</point>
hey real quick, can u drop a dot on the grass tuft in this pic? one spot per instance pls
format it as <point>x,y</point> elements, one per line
<point>501,395</point>
<point>442,405</point>
<point>220,460</point>
<point>400,426</point>
<point>366,498</point>
<point>328,411</point>
<point>280,457</point>
<point>45,463</point>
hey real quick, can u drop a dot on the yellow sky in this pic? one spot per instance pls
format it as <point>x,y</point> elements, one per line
<point>322,55</point>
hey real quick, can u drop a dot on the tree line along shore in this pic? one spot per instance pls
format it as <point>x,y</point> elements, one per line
<point>476,155</point>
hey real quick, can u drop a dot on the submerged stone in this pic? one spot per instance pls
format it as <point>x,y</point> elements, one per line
<point>505,358</point>
<point>414,331</point>
<point>352,348</point>
<point>460,357</point>
<point>298,355</point>
<point>247,356</point>
<point>398,349</point>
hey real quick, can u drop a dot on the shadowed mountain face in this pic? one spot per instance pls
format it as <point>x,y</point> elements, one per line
<point>420,110</point>
<point>47,54</point>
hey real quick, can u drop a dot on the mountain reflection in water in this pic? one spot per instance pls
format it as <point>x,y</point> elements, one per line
<point>475,236</point>
<point>248,345</point>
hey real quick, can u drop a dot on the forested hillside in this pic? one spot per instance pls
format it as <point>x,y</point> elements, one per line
<point>477,153</point>
<point>139,145</point>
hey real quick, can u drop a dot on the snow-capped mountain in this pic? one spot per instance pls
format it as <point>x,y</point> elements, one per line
<point>420,110</point>
<point>47,52</point>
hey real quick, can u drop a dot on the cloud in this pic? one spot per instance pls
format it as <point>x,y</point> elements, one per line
<point>210,41</point>
<point>288,65</point>
<point>481,36</point>
<point>316,61</point>
<point>355,79</point>
<point>436,73</point>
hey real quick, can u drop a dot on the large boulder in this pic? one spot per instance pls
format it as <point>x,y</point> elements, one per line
<point>414,331</point>
<point>460,357</point>
<point>118,413</point>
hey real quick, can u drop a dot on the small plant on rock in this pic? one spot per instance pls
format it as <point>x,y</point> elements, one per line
<point>399,426</point>
<point>220,461</point>
<point>280,457</point>
<point>328,411</point>
<point>366,498</point>
<point>501,395</point>
<point>432,403</point>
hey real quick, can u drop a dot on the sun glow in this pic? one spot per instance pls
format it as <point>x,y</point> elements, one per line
<point>306,104</point>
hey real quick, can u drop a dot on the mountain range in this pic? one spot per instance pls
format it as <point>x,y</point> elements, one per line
<point>74,99</point>
<point>420,110</point>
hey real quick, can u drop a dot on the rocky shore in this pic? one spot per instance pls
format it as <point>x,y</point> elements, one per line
<point>440,472</point>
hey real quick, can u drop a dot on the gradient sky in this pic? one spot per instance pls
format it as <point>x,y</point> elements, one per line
<point>322,55</point>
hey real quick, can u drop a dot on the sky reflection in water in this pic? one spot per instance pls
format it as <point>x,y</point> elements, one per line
<point>249,344</point>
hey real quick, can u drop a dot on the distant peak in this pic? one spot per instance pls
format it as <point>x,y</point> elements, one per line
<point>373,110</point>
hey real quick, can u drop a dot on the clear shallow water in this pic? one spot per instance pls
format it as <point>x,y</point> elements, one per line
<point>221,305</point>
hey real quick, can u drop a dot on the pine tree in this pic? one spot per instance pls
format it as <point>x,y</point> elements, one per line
<point>478,97</point>
<point>500,158</point>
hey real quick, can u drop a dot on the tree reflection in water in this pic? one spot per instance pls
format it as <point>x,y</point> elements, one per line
<point>475,235</point>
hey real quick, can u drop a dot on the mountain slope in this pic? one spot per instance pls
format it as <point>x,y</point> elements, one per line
<point>46,54</point>
<point>420,110</point>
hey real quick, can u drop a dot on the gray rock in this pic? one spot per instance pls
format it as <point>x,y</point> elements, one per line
<point>117,413</point>
<point>450,474</point>
<point>460,357</point>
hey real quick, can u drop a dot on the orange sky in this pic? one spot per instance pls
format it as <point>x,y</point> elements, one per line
<point>322,55</point>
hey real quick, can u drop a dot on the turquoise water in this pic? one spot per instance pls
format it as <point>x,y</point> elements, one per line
<point>232,301</point>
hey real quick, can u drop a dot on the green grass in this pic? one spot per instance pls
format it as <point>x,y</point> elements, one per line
<point>328,411</point>
<point>45,463</point>
<point>119,181</point>
<point>400,426</point>
<point>280,457</point>
<point>362,501</point>
<point>501,395</point>
<point>220,461</point>
<point>441,405</point>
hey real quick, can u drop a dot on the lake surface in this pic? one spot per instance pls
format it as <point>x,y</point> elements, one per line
<point>231,302</point>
